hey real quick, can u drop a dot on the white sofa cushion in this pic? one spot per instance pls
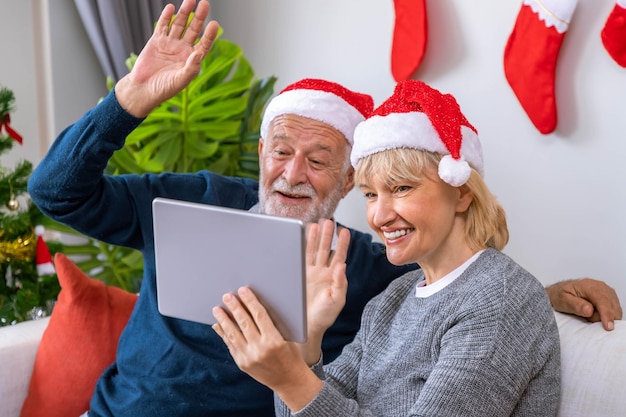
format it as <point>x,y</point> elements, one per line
<point>593,368</point>
<point>18,347</point>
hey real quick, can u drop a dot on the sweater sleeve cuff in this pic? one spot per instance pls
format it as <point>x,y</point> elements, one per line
<point>328,402</point>
<point>318,368</point>
<point>113,120</point>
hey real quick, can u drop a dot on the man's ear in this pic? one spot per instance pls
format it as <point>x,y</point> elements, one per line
<point>349,182</point>
<point>260,147</point>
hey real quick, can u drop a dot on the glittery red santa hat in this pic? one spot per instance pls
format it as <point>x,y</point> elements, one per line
<point>43,258</point>
<point>321,100</point>
<point>419,117</point>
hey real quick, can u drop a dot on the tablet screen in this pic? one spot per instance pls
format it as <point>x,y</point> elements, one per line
<point>204,251</point>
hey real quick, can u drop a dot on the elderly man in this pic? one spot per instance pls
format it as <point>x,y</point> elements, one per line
<point>169,367</point>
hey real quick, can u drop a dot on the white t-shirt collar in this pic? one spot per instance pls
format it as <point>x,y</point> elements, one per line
<point>422,290</point>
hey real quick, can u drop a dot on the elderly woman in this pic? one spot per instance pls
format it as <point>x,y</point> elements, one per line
<point>469,334</point>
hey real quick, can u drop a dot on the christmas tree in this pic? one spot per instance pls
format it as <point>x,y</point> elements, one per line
<point>28,283</point>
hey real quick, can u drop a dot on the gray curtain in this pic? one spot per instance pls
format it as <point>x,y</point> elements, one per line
<point>118,27</point>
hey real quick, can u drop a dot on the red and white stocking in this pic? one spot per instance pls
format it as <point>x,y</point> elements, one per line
<point>410,34</point>
<point>614,33</point>
<point>530,57</point>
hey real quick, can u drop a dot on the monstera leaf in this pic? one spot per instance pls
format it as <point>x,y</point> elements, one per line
<point>212,124</point>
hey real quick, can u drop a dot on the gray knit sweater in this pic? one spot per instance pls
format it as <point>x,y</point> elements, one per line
<point>485,345</point>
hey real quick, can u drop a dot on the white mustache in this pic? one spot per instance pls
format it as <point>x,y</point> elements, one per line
<point>301,190</point>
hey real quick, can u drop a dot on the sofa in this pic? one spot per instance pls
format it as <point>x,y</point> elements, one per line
<point>593,371</point>
<point>18,347</point>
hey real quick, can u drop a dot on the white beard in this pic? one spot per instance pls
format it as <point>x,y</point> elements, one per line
<point>308,213</point>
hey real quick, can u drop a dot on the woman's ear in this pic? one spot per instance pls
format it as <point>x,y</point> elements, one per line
<point>465,198</point>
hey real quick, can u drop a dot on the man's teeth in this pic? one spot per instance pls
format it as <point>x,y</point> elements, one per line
<point>395,234</point>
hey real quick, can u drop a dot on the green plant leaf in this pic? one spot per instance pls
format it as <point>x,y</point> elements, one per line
<point>123,162</point>
<point>225,109</point>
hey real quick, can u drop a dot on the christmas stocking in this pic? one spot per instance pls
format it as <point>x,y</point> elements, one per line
<point>410,34</point>
<point>530,57</point>
<point>614,33</point>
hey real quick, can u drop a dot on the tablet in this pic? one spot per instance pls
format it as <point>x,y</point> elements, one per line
<point>203,252</point>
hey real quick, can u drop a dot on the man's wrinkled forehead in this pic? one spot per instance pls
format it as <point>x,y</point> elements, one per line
<point>293,126</point>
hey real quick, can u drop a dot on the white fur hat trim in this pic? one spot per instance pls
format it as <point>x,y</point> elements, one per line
<point>415,130</point>
<point>314,104</point>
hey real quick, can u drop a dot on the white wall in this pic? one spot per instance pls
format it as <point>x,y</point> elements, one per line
<point>18,73</point>
<point>48,63</point>
<point>561,191</point>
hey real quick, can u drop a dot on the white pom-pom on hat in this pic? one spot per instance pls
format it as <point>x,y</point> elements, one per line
<point>320,100</point>
<point>455,172</point>
<point>417,116</point>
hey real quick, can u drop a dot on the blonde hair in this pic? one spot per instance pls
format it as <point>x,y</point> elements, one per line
<point>485,225</point>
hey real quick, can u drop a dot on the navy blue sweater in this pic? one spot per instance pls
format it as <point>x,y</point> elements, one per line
<point>164,366</point>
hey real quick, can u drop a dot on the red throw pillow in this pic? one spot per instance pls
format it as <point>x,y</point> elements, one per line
<point>78,344</point>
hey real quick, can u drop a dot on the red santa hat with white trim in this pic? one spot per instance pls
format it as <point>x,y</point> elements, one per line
<point>43,259</point>
<point>418,116</point>
<point>320,100</point>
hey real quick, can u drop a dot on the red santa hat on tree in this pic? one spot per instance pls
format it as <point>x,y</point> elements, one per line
<point>43,257</point>
<point>418,116</point>
<point>320,100</point>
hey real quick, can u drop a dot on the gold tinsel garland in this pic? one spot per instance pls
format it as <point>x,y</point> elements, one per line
<point>21,249</point>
